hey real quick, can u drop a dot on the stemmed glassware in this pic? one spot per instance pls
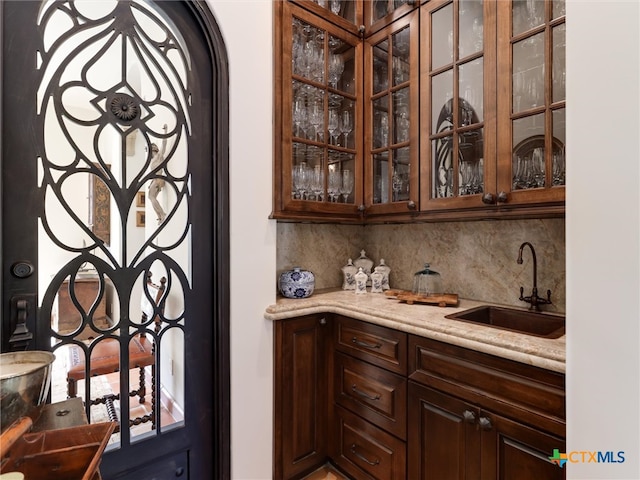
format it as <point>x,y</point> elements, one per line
<point>334,186</point>
<point>347,184</point>
<point>301,177</point>
<point>334,125</point>
<point>316,117</point>
<point>317,182</point>
<point>346,126</point>
<point>335,6</point>
<point>336,68</point>
<point>299,114</point>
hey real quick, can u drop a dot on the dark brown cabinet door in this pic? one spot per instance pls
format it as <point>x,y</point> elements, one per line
<point>301,395</point>
<point>443,440</point>
<point>511,450</point>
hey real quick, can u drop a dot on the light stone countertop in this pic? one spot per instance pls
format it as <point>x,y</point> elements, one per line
<point>428,321</point>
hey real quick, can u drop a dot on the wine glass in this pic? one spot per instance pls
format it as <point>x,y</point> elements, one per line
<point>334,125</point>
<point>335,6</point>
<point>336,67</point>
<point>299,114</point>
<point>334,185</point>
<point>300,179</point>
<point>347,184</point>
<point>346,126</point>
<point>317,182</point>
<point>316,118</point>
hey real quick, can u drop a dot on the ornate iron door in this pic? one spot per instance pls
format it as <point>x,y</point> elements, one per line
<point>115,234</point>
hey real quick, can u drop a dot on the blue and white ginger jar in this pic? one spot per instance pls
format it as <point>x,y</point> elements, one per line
<point>296,283</point>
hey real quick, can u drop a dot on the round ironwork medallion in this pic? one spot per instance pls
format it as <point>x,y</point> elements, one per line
<point>124,107</point>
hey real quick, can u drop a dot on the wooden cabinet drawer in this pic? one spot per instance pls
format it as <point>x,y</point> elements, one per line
<point>381,346</point>
<point>372,393</point>
<point>365,451</point>
<point>529,394</point>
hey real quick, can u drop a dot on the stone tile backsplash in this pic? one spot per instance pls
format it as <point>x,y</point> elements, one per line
<point>477,260</point>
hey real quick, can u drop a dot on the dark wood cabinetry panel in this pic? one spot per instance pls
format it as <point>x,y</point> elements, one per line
<point>381,346</point>
<point>386,405</point>
<point>300,395</point>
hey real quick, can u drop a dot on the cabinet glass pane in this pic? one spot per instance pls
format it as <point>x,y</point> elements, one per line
<point>343,8</point>
<point>528,162</point>
<point>307,172</point>
<point>441,101</point>
<point>442,154</point>
<point>381,8</point>
<point>528,73</point>
<point>558,35</point>
<point>381,177</point>
<point>471,27</point>
<point>380,67</point>
<point>381,122</point>
<point>558,8</point>
<point>401,115</point>
<point>442,28</point>
<point>400,63</point>
<point>340,178</point>
<point>470,77</point>
<point>527,14</point>
<point>308,51</point>
<point>470,162</point>
<point>558,158</point>
<point>400,178</point>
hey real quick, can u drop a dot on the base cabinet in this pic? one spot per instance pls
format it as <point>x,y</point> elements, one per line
<point>300,396</point>
<point>452,439</point>
<point>381,404</point>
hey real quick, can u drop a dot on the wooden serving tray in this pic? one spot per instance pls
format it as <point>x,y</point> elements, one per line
<point>65,454</point>
<point>441,299</point>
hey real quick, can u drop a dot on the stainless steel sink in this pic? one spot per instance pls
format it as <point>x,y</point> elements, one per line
<point>531,323</point>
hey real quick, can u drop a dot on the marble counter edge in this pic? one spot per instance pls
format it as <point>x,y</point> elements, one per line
<point>429,322</point>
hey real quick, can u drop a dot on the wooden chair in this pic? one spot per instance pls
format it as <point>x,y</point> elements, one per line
<point>105,359</point>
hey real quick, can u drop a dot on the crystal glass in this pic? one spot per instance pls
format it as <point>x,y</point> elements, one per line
<point>334,125</point>
<point>317,182</point>
<point>347,184</point>
<point>346,125</point>
<point>334,185</point>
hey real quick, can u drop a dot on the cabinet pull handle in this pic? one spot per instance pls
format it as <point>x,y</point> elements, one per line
<point>364,394</point>
<point>360,343</point>
<point>485,423</point>
<point>362,457</point>
<point>469,416</point>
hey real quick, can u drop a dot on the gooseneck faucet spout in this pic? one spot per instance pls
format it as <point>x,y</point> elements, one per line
<point>533,299</point>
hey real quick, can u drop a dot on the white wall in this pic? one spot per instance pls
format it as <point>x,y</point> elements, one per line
<point>247,29</point>
<point>603,263</point>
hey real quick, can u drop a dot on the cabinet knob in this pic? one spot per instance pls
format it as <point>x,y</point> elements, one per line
<point>488,199</point>
<point>469,416</point>
<point>502,197</point>
<point>361,208</point>
<point>411,205</point>
<point>485,423</point>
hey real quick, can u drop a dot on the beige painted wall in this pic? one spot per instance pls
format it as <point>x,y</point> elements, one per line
<point>477,260</point>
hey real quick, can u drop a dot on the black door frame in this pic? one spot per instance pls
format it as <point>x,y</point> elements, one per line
<point>216,399</point>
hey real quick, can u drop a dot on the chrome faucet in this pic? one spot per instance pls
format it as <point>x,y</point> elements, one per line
<point>533,299</point>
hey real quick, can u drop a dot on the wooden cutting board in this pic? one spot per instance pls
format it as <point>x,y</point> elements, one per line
<point>441,299</point>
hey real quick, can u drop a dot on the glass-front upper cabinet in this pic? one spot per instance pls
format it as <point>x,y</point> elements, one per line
<point>348,14</point>
<point>380,13</point>
<point>319,157</point>
<point>458,127</point>
<point>391,118</point>
<point>532,113</point>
